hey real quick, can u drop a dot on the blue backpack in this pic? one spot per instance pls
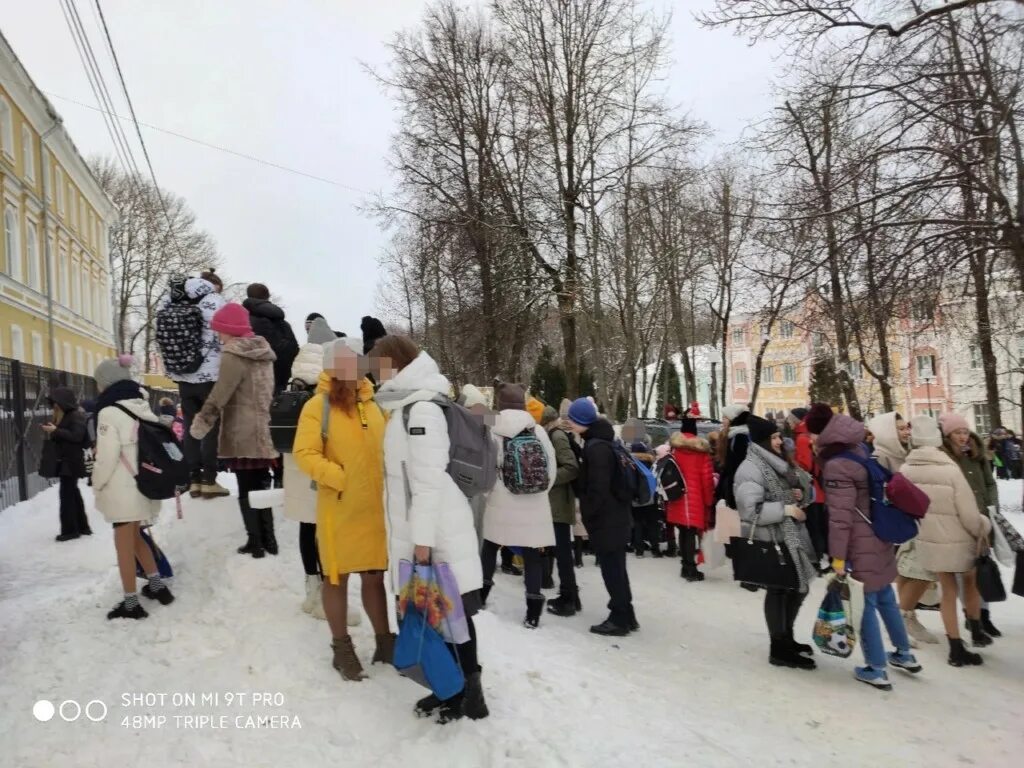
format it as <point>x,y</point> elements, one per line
<point>889,522</point>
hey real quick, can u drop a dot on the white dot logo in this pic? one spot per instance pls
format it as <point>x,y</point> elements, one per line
<point>65,715</point>
<point>43,710</point>
<point>91,706</point>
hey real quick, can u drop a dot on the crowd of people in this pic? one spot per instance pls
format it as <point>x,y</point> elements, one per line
<point>368,471</point>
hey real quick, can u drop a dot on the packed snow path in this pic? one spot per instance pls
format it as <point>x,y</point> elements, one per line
<point>692,688</point>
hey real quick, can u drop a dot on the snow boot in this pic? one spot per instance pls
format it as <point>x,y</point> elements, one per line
<point>904,660</point>
<point>959,656</point>
<point>485,592</point>
<point>916,629</point>
<point>534,609</point>
<point>212,490</point>
<point>67,537</point>
<point>987,625</point>
<point>473,704</point>
<point>783,654</point>
<point>609,628</point>
<point>566,604</point>
<point>313,593</point>
<point>634,625</point>
<point>254,543</point>
<point>162,596</point>
<point>385,651</point>
<point>267,529</point>
<point>801,649</point>
<point>450,709</point>
<point>877,678</point>
<point>345,659</point>
<point>195,489</point>
<point>577,552</point>
<point>427,706</point>
<point>978,637</point>
<point>121,612</point>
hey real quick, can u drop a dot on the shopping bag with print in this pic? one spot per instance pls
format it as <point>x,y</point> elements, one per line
<point>433,591</point>
<point>833,632</point>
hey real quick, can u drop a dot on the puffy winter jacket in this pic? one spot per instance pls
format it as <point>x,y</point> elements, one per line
<point>977,470</point>
<point>267,320</point>
<point>519,520</point>
<point>608,519</point>
<point>424,505</point>
<point>308,364</point>
<point>209,301</point>
<point>850,536</point>
<point>889,451</point>
<point>70,439</point>
<point>562,496</point>
<point>750,491</point>
<point>117,461</point>
<point>299,495</point>
<point>693,455</point>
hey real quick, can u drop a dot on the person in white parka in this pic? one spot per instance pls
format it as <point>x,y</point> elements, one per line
<point>429,518</point>
<point>299,494</point>
<point>113,482</point>
<point>522,520</point>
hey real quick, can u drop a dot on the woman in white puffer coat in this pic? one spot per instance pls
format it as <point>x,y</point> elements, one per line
<point>429,518</point>
<point>299,494</point>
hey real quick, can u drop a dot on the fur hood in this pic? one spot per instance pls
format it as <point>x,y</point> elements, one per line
<point>975,448</point>
<point>681,441</point>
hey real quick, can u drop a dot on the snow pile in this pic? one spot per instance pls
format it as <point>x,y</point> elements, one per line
<point>692,688</point>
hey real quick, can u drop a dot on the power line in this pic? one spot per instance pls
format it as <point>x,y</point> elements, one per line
<point>218,148</point>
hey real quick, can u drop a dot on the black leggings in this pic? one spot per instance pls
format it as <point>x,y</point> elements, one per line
<point>688,539</point>
<point>73,521</point>
<point>307,548</point>
<point>533,566</point>
<point>251,480</point>
<point>780,609</point>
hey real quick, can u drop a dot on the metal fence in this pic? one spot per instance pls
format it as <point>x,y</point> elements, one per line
<point>23,410</point>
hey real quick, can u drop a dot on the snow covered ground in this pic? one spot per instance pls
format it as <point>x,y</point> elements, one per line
<point>692,688</point>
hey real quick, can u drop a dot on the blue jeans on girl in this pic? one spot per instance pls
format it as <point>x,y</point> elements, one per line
<point>882,603</point>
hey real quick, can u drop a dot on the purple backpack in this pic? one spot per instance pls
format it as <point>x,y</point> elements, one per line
<point>524,467</point>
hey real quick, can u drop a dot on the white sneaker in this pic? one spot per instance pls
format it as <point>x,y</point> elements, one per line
<point>355,618</point>
<point>312,593</point>
<point>917,631</point>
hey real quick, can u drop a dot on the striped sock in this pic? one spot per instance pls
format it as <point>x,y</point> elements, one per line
<point>131,600</point>
<point>155,582</point>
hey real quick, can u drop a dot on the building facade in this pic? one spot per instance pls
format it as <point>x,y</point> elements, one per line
<point>55,300</point>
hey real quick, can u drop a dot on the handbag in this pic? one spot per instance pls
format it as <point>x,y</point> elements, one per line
<point>834,633</point>
<point>990,581</point>
<point>765,563</point>
<point>422,655</point>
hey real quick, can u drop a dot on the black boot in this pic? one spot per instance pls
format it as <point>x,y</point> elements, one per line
<point>978,637</point>
<point>784,655</point>
<point>254,543</point>
<point>609,628</point>
<point>987,625</point>
<point>123,612</point>
<point>451,709</point>
<point>960,656</point>
<point>566,604</point>
<point>534,608</point>
<point>485,591</point>
<point>427,706</point>
<point>473,704</point>
<point>267,529</point>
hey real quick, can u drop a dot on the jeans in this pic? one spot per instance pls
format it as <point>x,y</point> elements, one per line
<point>882,603</point>
<point>201,455</point>
<point>73,521</point>
<point>616,581</point>
<point>565,560</point>
<point>533,571</point>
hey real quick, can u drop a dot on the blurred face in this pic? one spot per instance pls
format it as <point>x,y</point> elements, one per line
<point>344,364</point>
<point>574,427</point>
<point>960,437</point>
<point>777,442</point>
<point>383,369</point>
<point>903,430</point>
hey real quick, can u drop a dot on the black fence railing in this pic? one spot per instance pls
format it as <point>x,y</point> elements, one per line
<point>23,410</point>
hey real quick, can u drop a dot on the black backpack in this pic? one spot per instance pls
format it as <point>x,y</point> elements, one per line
<point>285,409</point>
<point>671,483</point>
<point>162,466</point>
<point>179,333</point>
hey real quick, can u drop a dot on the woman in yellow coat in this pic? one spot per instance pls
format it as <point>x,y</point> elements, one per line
<point>346,461</point>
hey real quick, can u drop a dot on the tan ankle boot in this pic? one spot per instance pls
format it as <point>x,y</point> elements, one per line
<point>385,653</point>
<point>345,659</point>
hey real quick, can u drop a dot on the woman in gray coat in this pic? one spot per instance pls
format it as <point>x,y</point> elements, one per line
<point>770,498</point>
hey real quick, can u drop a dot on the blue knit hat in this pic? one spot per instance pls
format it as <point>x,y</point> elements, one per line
<point>583,412</point>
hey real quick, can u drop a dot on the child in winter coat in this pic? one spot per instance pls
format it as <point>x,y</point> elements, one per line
<point>121,404</point>
<point>68,441</point>
<point>691,513</point>
<point>646,528</point>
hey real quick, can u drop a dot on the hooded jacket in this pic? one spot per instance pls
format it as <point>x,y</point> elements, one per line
<point>693,455</point>
<point>349,474</point>
<point>850,536</point>
<point>70,438</point>
<point>205,295</point>
<point>950,533</point>
<point>736,453</point>
<point>608,519</point>
<point>977,470</point>
<point>267,320</point>
<point>562,497</point>
<point>241,400</point>
<point>424,505</point>
<point>519,520</point>
<point>889,451</point>
<point>117,461</point>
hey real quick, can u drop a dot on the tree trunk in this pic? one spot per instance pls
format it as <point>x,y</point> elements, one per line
<point>979,274</point>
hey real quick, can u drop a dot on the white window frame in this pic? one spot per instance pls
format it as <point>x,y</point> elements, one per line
<point>34,281</point>
<point>28,152</point>
<point>789,373</point>
<point>921,374</point>
<point>76,286</point>
<point>67,358</point>
<point>739,337</point>
<point>37,349</point>
<point>786,329</point>
<point>65,272</point>
<point>739,375</point>
<point>12,242</point>
<point>58,183</point>
<point>6,128</point>
<point>982,418</point>
<point>17,343</point>
<point>767,375</point>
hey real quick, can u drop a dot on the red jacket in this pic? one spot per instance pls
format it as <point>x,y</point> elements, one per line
<point>805,459</point>
<point>693,455</point>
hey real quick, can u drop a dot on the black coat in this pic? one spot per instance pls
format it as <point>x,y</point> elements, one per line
<point>267,320</point>
<point>609,521</point>
<point>66,452</point>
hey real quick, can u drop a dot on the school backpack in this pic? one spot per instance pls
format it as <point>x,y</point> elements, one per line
<point>632,482</point>
<point>162,467</point>
<point>524,467</point>
<point>179,332</point>
<point>896,503</point>
<point>285,409</point>
<point>671,482</point>
<point>472,454</point>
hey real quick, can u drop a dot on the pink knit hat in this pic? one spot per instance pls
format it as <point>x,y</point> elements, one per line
<point>232,319</point>
<point>951,422</point>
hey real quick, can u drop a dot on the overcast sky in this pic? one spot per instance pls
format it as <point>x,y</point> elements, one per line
<point>282,80</point>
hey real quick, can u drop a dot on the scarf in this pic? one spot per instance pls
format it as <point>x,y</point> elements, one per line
<point>126,389</point>
<point>794,534</point>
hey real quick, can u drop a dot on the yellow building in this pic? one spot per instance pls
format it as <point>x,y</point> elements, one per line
<point>55,300</point>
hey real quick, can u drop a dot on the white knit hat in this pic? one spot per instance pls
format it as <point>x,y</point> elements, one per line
<point>925,432</point>
<point>730,412</point>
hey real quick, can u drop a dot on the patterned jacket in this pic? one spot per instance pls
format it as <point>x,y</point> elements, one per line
<point>209,302</point>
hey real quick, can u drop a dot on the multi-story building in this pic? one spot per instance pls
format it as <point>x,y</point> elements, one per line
<point>55,300</point>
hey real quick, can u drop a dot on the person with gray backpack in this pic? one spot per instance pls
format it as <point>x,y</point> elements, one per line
<point>518,512</point>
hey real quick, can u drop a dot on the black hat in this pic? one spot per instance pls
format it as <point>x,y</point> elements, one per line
<point>761,430</point>
<point>372,329</point>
